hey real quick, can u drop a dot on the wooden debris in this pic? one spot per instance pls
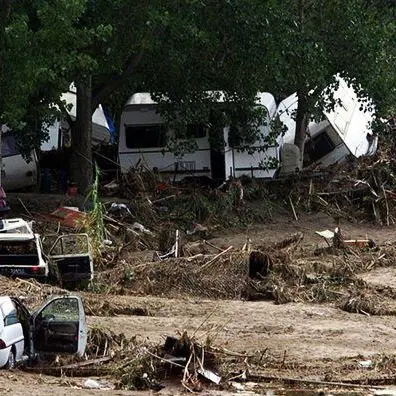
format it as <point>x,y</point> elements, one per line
<point>293,209</point>
<point>207,264</point>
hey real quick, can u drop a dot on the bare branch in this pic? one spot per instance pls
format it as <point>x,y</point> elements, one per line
<point>116,80</point>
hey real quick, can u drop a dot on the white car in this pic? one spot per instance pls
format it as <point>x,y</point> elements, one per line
<point>21,254</point>
<point>58,327</point>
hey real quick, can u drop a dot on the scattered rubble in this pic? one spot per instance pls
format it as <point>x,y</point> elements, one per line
<point>175,226</point>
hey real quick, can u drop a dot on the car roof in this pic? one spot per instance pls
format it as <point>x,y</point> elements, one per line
<point>15,226</point>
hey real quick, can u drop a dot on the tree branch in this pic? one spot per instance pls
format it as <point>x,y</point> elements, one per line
<point>67,116</point>
<point>5,11</point>
<point>116,80</point>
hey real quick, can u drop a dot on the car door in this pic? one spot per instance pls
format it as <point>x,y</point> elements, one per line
<point>71,254</point>
<point>59,327</point>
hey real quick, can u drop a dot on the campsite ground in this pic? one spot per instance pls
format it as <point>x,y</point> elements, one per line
<point>303,340</point>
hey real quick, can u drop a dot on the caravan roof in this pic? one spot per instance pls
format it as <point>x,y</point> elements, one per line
<point>263,98</point>
<point>145,98</point>
<point>101,129</point>
<point>268,101</point>
<point>141,98</point>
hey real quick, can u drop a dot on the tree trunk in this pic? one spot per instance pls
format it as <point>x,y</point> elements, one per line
<point>301,124</point>
<point>5,10</point>
<point>81,166</point>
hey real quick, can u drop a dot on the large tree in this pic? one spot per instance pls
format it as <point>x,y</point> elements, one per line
<point>182,50</point>
<point>40,50</point>
<point>173,50</point>
<point>179,52</point>
<point>313,40</point>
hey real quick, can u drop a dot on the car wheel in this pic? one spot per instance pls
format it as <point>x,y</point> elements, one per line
<point>11,360</point>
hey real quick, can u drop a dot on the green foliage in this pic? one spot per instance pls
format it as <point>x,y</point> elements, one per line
<point>180,51</point>
<point>314,40</point>
<point>93,223</point>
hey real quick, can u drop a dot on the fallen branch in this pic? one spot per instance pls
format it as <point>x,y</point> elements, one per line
<point>216,257</point>
<point>292,206</point>
<point>87,363</point>
<point>265,378</point>
<point>164,199</point>
<point>213,246</point>
<point>24,207</point>
<point>163,359</point>
<point>227,352</point>
<point>28,283</point>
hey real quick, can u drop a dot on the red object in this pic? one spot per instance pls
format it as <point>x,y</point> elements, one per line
<point>2,344</point>
<point>162,186</point>
<point>72,189</point>
<point>67,217</point>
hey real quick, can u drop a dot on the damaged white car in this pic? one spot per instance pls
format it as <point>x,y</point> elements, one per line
<point>58,327</point>
<point>69,260</point>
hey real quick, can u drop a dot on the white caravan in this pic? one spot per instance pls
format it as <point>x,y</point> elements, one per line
<point>59,131</point>
<point>344,131</point>
<point>16,173</point>
<point>257,162</point>
<point>143,140</point>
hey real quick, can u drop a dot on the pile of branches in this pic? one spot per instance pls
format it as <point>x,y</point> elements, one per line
<point>140,365</point>
<point>333,277</point>
<point>358,189</point>
<point>139,180</point>
<point>30,291</point>
<point>199,277</point>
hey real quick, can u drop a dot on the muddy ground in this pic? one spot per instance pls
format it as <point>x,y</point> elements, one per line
<point>310,341</point>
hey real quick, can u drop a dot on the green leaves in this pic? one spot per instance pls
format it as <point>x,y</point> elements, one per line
<point>182,50</point>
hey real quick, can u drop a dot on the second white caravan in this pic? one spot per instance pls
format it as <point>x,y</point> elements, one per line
<point>143,139</point>
<point>344,131</point>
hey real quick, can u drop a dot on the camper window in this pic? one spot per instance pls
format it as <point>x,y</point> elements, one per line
<point>194,131</point>
<point>8,146</point>
<point>145,136</point>
<point>317,148</point>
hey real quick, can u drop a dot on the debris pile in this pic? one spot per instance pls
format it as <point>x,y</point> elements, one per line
<point>363,302</point>
<point>284,272</point>
<point>139,366</point>
<point>359,189</point>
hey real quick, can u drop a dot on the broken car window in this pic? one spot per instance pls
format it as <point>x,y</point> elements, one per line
<point>61,309</point>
